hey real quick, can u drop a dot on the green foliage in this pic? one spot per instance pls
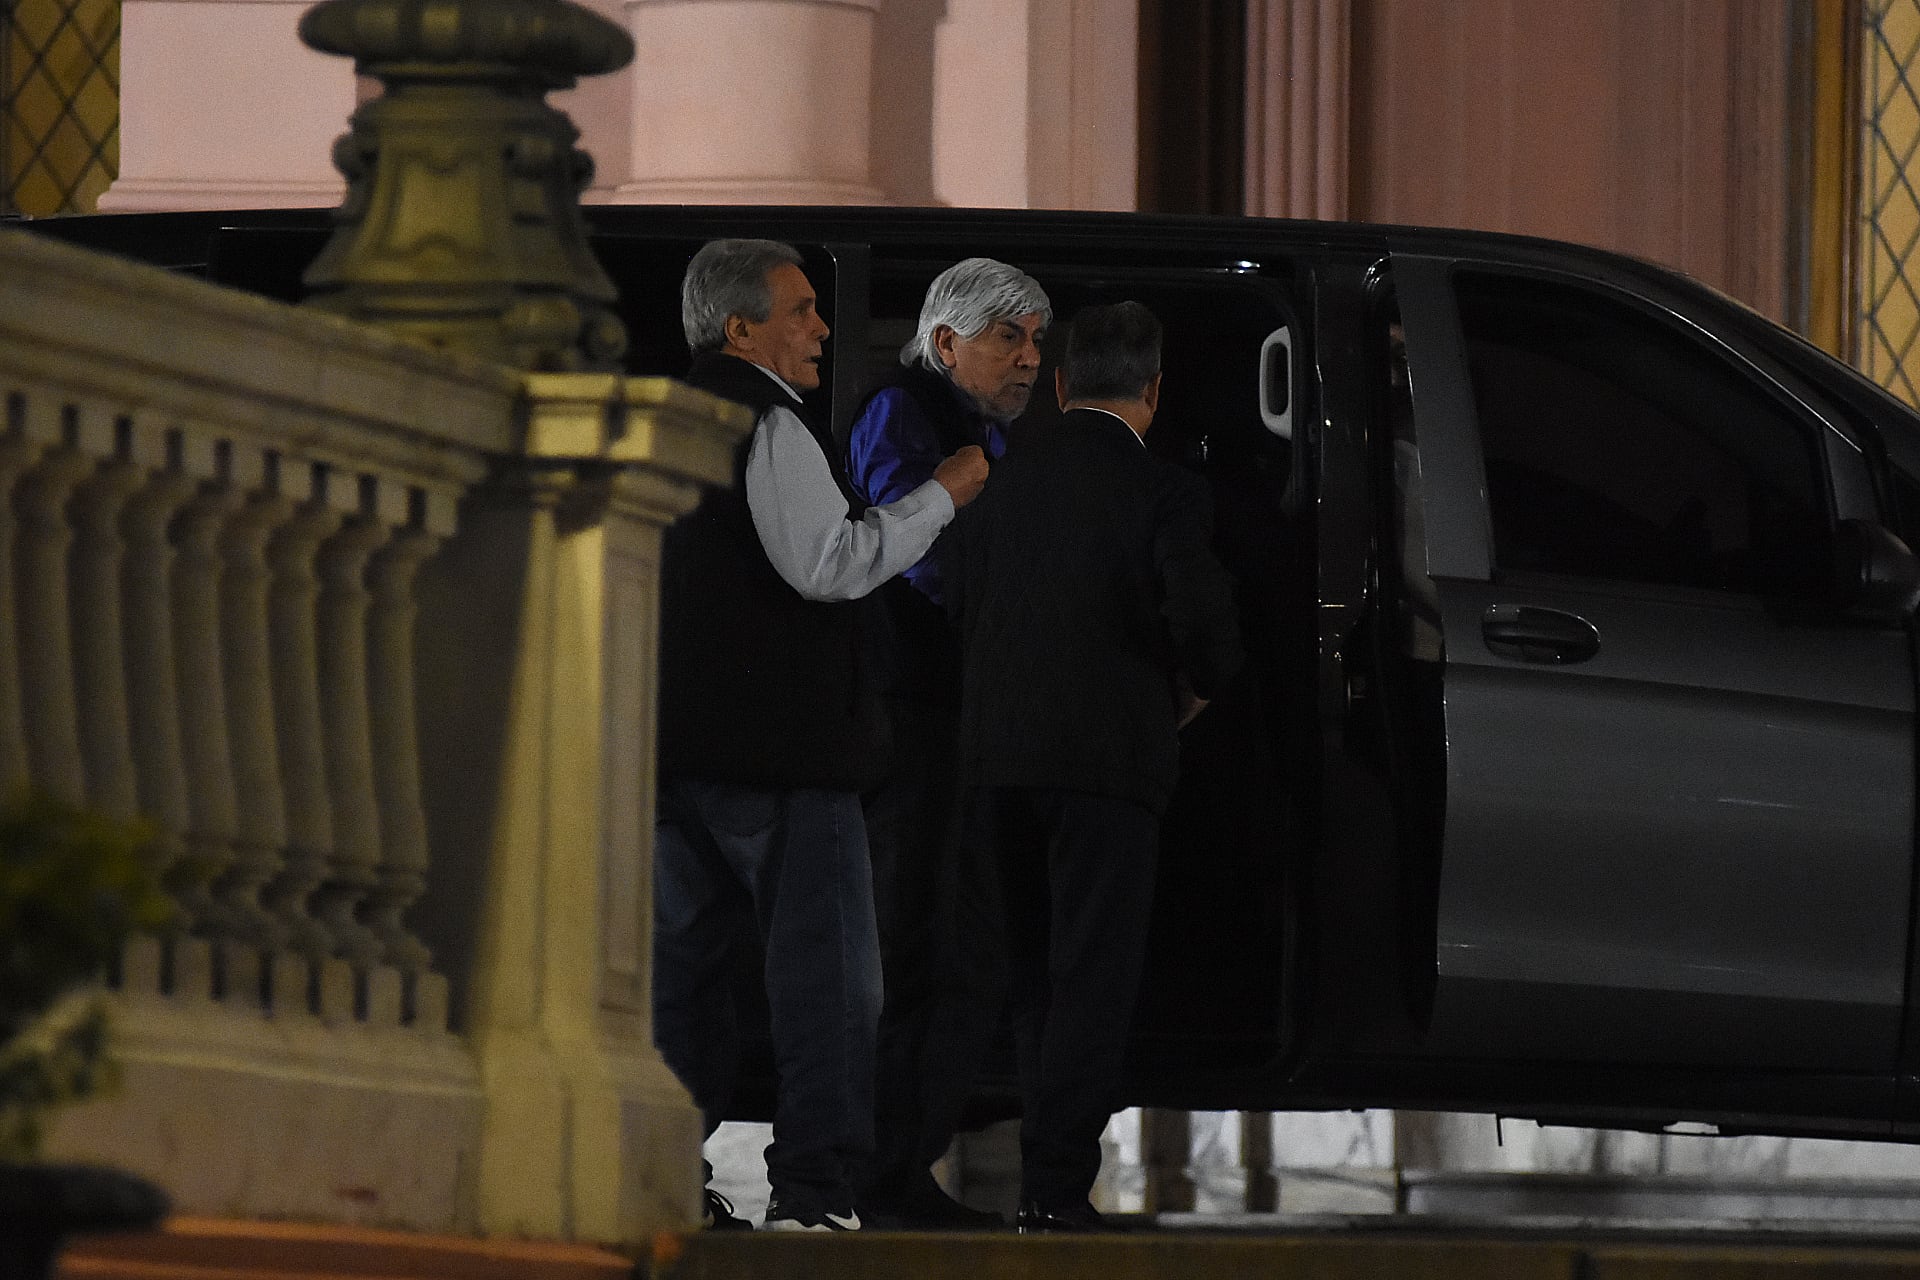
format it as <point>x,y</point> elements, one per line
<point>60,1058</point>
<point>73,886</point>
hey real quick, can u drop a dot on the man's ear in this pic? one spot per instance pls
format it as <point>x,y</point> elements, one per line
<point>739,332</point>
<point>944,338</point>
<point>1060,388</point>
<point>1151,396</point>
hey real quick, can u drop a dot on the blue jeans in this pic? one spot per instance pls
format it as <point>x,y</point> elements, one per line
<point>793,864</point>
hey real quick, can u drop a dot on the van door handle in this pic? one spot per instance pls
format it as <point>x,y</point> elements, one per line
<point>1276,382</point>
<point>1538,635</point>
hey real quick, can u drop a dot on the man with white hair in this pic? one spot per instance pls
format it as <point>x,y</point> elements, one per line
<point>966,374</point>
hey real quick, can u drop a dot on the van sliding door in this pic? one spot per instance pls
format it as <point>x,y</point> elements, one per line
<point>1678,779</point>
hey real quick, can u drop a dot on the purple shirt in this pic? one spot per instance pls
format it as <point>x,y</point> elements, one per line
<point>893,448</point>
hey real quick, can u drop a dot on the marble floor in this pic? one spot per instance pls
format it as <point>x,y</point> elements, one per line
<point>1419,1163</point>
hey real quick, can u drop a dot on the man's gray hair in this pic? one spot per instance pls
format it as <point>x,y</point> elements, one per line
<point>967,297</point>
<point>729,278</point>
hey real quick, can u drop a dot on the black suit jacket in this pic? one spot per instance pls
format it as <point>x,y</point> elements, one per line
<point>1082,582</point>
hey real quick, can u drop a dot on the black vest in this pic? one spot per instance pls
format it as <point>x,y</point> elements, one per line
<point>757,684</point>
<point>955,423</point>
<point>925,653</point>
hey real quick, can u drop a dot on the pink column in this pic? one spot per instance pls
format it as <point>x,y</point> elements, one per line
<point>751,102</point>
<point>222,107</point>
<point>1298,74</point>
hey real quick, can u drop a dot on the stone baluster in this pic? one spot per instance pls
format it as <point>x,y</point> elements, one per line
<point>353,869</point>
<point>99,646</point>
<point>260,825</point>
<point>1256,1159</point>
<point>94,566</point>
<point>16,455</point>
<point>396,749</point>
<point>293,645</point>
<point>199,673</point>
<point>1166,1148</point>
<point>153,687</point>
<point>54,758</point>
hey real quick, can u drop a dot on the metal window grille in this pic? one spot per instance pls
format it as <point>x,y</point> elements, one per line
<point>1888,332</point>
<point>59,104</point>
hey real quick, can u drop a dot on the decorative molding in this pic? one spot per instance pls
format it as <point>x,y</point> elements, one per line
<point>872,6</point>
<point>737,191</point>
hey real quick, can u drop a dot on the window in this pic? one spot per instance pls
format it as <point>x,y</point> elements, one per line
<point>1618,447</point>
<point>59,104</point>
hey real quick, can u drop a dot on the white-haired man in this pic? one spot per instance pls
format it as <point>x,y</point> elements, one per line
<point>770,727</point>
<point>967,373</point>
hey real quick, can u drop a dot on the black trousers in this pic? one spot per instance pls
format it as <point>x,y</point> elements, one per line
<point>937,904</point>
<point>1076,873</point>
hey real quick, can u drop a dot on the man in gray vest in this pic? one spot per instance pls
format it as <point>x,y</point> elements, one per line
<point>770,727</point>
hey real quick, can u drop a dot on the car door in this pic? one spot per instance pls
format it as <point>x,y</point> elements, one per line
<point>1679,817</point>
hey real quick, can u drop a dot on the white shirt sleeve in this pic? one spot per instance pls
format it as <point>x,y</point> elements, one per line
<point>802,518</point>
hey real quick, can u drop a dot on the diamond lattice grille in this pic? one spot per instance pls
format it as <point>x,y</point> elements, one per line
<point>59,103</point>
<point>1890,226</point>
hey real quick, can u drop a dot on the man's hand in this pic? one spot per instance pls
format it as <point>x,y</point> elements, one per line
<point>963,475</point>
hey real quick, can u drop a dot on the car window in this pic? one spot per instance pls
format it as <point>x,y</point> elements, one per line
<point>1620,447</point>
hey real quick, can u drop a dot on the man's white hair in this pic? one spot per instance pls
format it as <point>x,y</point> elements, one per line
<point>967,297</point>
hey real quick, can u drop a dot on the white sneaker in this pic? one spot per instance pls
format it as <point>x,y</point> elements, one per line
<point>783,1217</point>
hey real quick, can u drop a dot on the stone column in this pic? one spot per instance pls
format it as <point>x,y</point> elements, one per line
<point>1299,65</point>
<point>538,634</point>
<point>262,141</point>
<point>800,70</point>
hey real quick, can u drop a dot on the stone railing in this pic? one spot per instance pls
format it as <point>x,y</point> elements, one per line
<point>365,631</point>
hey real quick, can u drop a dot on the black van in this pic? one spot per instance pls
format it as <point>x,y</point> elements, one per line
<point>1573,772</point>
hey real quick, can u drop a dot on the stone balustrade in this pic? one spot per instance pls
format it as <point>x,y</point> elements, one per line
<point>365,632</point>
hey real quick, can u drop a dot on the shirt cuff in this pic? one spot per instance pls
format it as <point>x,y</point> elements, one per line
<point>928,497</point>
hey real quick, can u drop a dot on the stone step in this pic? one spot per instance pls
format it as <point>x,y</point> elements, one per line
<point>1482,1253</point>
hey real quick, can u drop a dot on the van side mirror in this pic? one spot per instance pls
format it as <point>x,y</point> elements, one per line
<point>1879,577</point>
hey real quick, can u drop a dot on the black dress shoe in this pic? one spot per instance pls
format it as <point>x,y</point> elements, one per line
<point>1036,1219</point>
<point>717,1214</point>
<point>920,1204</point>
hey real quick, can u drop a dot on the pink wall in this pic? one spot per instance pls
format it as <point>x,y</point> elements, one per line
<point>1656,127</point>
<point>962,102</point>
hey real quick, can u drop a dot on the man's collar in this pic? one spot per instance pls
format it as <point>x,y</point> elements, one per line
<point>961,396</point>
<point>778,380</point>
<point>1087,408</point>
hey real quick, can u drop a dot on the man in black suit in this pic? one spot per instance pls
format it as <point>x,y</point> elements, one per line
<point>1094,622</point>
